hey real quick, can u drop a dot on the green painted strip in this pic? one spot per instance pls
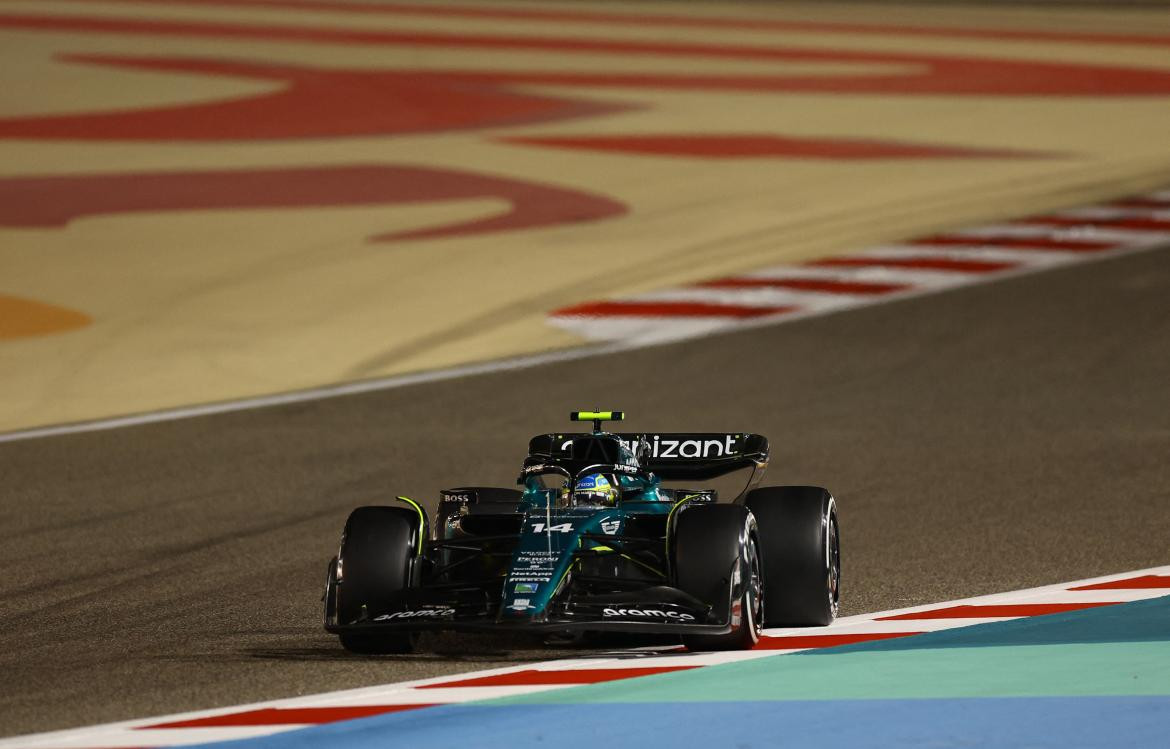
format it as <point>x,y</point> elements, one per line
<point>1114,669</point>
<point>1119,651</point>
<point>1140,621</point>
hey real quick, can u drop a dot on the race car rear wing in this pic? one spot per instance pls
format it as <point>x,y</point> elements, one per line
<point>680,456</point>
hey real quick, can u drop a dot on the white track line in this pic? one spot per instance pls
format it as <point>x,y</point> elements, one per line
<point>144,732</point>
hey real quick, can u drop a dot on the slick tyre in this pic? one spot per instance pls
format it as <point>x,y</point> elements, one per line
<point>717,560</point>
<point>378,552</point>
<point>800,544</point>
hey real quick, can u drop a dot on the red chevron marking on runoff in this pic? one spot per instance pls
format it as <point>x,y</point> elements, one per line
<point>660,21</point>
<point>1144,582</point>
<point>57,200</point>
<point>311,103</point>
<point>285,716</point>
<point>327,102</point>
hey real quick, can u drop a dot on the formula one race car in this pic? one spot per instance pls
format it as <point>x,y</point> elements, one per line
<point>594,542</point>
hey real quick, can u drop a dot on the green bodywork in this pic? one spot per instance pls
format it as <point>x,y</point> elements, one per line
<point>550,537</point>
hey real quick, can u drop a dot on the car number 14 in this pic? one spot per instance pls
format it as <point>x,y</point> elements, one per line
<point>559,528</point>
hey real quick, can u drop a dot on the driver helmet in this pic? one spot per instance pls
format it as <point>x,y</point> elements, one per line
<point>595,489</point>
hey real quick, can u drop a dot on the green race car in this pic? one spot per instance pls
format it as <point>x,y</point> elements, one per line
<point>592,541</point>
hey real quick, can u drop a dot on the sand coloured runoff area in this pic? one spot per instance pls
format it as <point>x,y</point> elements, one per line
<point>203,200</point>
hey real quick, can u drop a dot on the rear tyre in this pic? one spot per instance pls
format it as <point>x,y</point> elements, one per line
<point>717,560</point>
<point>801,550</point>
<point>377,563</point>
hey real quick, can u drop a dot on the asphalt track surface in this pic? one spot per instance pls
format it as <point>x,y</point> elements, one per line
<point>991,438</point>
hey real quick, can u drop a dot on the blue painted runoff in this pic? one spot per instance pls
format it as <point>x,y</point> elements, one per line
<point>1003,723</point>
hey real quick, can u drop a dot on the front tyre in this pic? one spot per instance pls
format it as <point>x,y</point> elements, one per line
<point>800,545</point>
<point>717,560</point>
<point>376,565</point>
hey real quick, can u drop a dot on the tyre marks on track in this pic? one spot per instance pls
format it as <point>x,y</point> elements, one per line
<point>277,716</point>
<point>877,274</point>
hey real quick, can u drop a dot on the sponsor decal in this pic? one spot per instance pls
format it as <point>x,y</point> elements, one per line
<point>419,614</point>
<point>610,527</point>
<point>524,587</point>
<point>537,558</point>
<point>665,447</point>
<point>707,448</point>
<point>533,566</point>
<point>455,504</point>
<point>520,604</point>
<point>649,613</point>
